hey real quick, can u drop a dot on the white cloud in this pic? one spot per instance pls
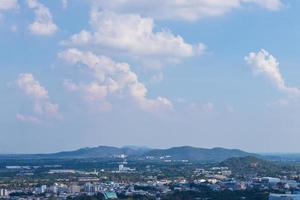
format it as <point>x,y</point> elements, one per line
<point>43,23</point>
<point>8,4</point>
<point>110,80</point>
<point>190,10</point>
<point>264,63</point>
<point>135,36</point>
<point>32,88</point>
<point>27,118</point>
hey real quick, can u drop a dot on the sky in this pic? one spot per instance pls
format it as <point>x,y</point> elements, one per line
<point>203,73</point>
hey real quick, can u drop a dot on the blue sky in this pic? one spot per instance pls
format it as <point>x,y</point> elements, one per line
<point>192,72</point>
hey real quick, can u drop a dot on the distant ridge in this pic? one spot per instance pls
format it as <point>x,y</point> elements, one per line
<point>198,154</point>
<point>174,153</point>
<point>101,152</point>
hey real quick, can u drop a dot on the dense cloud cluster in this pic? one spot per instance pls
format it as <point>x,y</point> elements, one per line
<point>135,35</point>
<point>110,79</point>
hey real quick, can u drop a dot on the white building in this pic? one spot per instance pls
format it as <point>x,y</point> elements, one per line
<point>74,189</point>
<point>3,193</point>
<point>122,168</point>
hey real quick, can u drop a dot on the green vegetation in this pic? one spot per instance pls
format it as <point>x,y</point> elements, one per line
<point>259,167</point>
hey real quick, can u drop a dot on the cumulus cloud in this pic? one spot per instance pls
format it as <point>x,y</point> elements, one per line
<point>43,23</point>
<point>134,35</point>
<point>8,4</point>
<point>264,63</point>
<point>33,89</point>
<point>190,10</point>
<point>110,80</point>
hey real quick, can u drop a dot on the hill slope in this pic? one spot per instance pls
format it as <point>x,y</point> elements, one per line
<point>254,165</point>
<point>198,154</point>
<point>101,152</point>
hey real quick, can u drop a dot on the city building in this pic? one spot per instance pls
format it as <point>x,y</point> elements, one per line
<point>74,189</point>
<point>3,193</point>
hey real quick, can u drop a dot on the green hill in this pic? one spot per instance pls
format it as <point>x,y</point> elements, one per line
<point>254,165</point>
<point>197,154</point>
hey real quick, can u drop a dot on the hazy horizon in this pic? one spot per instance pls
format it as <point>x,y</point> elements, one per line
<point>79,73</point>
<point>150,147</point>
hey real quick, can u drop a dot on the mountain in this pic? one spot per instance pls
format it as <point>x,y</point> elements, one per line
<point>175,153</point>
<point>197,154</point>
<point>254,165</point>
<point>83,153</point>
<point>101,152</point>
